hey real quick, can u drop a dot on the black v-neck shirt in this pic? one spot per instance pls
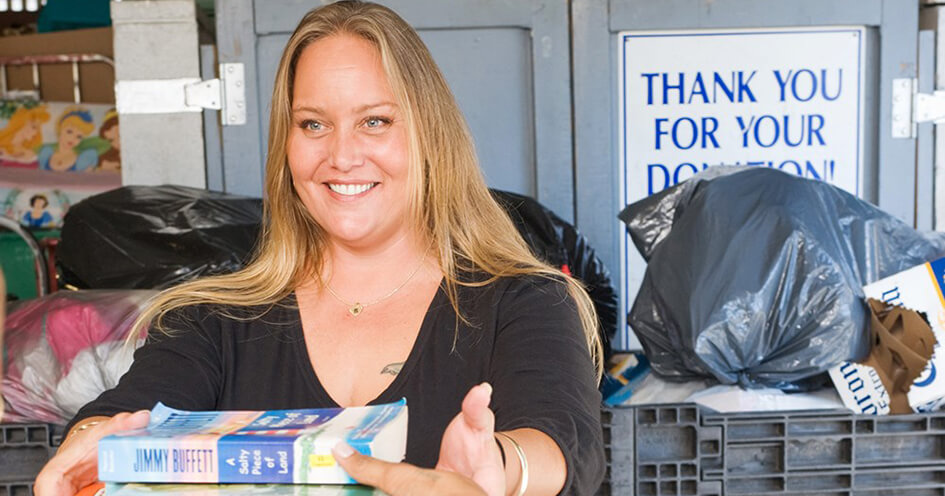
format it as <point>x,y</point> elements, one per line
<point>525,339</point>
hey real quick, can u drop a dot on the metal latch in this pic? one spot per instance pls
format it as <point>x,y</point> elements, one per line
<point>170,96</point>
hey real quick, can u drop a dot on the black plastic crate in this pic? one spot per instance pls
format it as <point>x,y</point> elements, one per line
<point>662,450</point>
<point>24,449</point>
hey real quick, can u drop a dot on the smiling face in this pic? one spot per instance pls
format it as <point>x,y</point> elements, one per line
<point>27,132</point>
<point>347,147</point>
<point>69,136</point>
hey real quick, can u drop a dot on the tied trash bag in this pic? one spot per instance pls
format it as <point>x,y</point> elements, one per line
<point>63,350</point>
<point>151,237</point>
<point>754,276</point>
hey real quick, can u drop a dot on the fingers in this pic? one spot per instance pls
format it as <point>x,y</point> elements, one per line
<point>75,464</point>
<point>371,471</point>
<point>476,410</point>
<point>403,479</point>
<point>125,422</point>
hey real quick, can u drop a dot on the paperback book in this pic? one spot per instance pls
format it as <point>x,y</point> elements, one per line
<point>276,446</point>
<point>135,489</point>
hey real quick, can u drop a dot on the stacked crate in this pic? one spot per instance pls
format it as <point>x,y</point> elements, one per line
<point>662,450</point>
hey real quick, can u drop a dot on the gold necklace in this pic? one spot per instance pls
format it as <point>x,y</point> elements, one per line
<point>357,307</point>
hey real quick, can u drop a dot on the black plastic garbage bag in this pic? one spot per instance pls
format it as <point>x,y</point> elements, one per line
<point>152,237</point>
<point>755,277</point>
<point>557,243</point>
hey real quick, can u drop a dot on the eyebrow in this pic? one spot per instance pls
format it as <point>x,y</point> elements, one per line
<point>362,108</point>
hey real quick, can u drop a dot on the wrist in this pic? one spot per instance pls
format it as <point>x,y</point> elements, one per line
<point>84,425</point>
<point>515,452</point>
<point>501,448</point>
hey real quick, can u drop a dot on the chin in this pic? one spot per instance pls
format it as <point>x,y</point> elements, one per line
<point>358,236</point>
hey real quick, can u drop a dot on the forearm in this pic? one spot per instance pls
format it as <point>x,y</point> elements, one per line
<point>543,457</point>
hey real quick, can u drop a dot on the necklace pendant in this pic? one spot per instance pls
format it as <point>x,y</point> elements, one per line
<point>356,309</point>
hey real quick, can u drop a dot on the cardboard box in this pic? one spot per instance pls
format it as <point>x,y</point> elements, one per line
<point>97,80</point>
<point>921,289</point>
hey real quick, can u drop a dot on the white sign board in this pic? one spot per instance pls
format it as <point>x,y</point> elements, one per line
<point>789,99</point>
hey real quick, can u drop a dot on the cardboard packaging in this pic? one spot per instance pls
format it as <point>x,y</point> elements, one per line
<point>861,387</point>
<point>97,80</point>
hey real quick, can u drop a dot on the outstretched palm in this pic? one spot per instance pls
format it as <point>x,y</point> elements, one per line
<point>469,446</point>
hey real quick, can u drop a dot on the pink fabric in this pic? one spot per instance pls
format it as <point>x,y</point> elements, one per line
<point>73,327</point>
<point>44,336</point>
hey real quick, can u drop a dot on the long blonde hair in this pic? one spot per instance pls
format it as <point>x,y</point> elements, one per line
<point>450,202</point>
<point>18,121</point>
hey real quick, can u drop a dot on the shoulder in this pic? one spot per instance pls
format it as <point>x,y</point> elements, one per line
<point>206,317</point>
<point>520,297</point>
<point>44,153</point>
<point>86,159</point>
<point>533,286</point>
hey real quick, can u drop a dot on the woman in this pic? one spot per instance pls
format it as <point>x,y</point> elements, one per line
<point>37,216</point>
<point>386,270</point>
<point>22,136</point>
<point>72,127</point>
<point>110,160</point>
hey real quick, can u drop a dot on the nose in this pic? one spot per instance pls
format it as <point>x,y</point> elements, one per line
<point>346,152</point>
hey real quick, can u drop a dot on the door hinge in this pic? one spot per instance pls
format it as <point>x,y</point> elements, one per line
<point>903,118</point>
<point>910,108</point>
<point>170,96</point>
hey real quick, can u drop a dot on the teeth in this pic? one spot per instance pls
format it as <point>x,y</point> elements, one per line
<point>350,189</point>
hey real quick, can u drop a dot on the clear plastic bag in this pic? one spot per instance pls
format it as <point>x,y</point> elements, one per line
<point>65,349</point>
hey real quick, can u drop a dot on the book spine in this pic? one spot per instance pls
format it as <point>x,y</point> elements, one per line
<point>256,460</point>
<point>144,459</point>
<point>213,459</point>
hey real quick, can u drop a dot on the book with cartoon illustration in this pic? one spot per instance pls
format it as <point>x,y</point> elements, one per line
<point>276,446</point>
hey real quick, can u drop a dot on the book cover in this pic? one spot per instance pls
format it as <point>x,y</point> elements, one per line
<point>136,489</point>
<point>275,446</point>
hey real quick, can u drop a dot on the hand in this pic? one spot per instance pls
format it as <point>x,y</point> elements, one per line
<point>402,479</point>
<point>76,463</point>
<point>470,462</point>
<point>469,447</point>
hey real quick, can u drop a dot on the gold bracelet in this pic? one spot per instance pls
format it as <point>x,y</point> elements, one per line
<point>522,461</point>
<point>76,430</point>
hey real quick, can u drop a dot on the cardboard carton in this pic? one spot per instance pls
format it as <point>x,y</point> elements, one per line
<point>919,288</point>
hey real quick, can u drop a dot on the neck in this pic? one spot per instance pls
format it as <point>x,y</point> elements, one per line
<point>367,273</point>
<point>345,262</point>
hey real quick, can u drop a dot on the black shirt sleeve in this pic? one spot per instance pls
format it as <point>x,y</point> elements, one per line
<point>543,377</point>
<point>181,368</point>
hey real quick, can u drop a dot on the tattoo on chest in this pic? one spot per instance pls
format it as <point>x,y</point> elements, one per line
<point>392,368</point>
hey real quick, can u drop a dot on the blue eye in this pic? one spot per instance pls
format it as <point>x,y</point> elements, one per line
<point>310,125</point>
<point>376,122</point>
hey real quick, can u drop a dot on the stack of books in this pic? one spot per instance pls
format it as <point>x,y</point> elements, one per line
<point>249,452</point>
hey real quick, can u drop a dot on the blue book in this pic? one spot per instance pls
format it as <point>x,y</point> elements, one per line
<point>251,447</point>
<point>135,489</point>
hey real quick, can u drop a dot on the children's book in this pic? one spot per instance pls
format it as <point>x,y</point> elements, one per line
<point>276,446</point>
<point>135,489</point>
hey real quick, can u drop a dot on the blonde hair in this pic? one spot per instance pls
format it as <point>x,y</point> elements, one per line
<point>78,118</point>
<point>18,121</point>
<point>450,203</point>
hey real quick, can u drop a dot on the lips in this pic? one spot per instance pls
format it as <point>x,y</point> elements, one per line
<point>350,189</point>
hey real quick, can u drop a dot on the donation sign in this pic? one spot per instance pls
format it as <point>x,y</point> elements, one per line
<point>789,99</point>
